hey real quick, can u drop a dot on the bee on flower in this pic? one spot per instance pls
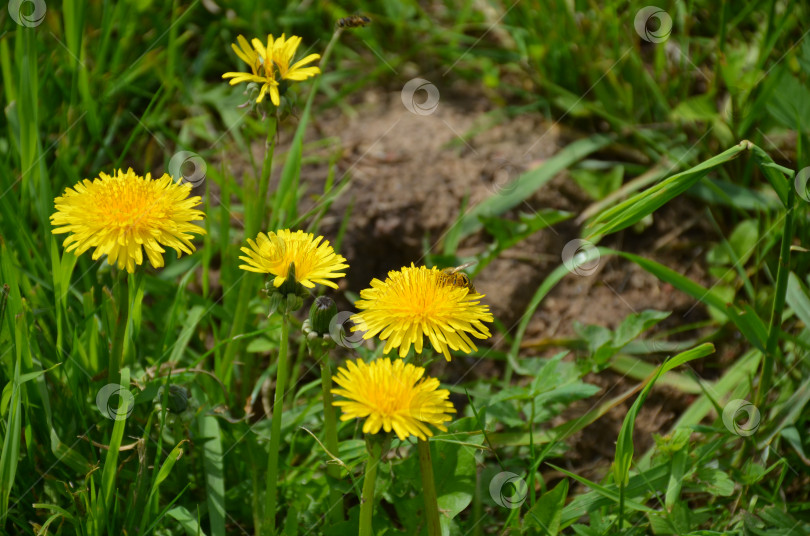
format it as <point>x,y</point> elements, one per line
<point>418,302</point>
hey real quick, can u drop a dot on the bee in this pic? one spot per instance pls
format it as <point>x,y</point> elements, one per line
<point>457,278</point>
<point>354,21</point>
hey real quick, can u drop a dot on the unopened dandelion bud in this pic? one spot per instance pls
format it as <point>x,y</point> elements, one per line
<point>321,313</point>
<point>176,398</point>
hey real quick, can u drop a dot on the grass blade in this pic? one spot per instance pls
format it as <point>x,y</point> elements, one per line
<point>642,204</point>
<point>524,186</point>
<point>624,444</point>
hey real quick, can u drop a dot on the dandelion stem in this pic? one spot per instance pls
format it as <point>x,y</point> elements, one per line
<point>121,320</point>
<point>369,480</point>
<point>429,489</point>
<point>264,180</point>
<point>780,293</point>
<point>275,437</point>
<point>331,439</point>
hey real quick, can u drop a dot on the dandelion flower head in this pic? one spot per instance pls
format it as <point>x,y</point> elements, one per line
<point>392,396</point>
<point>315,260</point>
<point>271,63</point>
<point>123,214</point>
<point>418,302</point>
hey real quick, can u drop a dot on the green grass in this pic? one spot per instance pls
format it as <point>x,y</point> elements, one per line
<point>716,113</point>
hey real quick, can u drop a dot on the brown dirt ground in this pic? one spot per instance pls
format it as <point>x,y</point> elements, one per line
<point>409,177</point>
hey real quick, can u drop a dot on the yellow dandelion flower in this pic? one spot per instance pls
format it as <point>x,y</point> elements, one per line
<point>283,51</point>
<point>414,303</point>
<point>267,60</point>
<point>120,214</point>
<point>315,261</point>
<point>392,396</point>
<point>261,67</point>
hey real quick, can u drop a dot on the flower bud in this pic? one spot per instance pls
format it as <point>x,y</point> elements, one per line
<point>176,398</point>
<point>321,313</point>
<point>287,298</point>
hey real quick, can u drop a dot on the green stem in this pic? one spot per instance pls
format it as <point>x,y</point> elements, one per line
<point>533,455</point>
<point>328,50</point>
<point>247,286</point>
<point>264,181</point>
<point>331,440</point>
<point>429,489</point>
<point>121,321</point>
<point>296,370</point>
<point>254,219</point>
<point>782,273</point>
<point>270,499</point>
<point>369,480</point>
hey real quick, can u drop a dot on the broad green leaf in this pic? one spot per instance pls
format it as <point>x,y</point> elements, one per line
<point>104,505</point>
<point>719,192</point>
<point>675,522</point>
<point>547,511</point>
<point>678,470</point>
<point>717,482</point>
<point>797,297</point>
<point>186,520</point>
<point>788,413</point>
<point>166,468</point>
<point>193,317</point>
<point>598,184</point>
<point>742,241</point>
<point>454,472</point>
<point>11,445</point>
<point>214,472</point>
<point>790,103</point>
<point>630,328</point>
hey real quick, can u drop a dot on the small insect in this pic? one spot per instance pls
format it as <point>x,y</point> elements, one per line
<point>457,278</point>
<point>354,21</point>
